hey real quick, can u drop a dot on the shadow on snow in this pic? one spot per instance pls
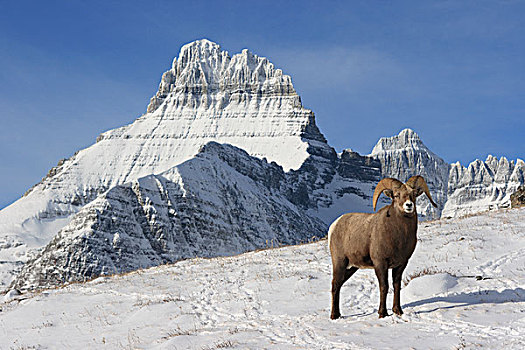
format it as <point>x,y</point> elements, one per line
<point>474,298</point>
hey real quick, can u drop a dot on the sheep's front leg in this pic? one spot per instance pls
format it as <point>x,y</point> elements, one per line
<point>382,277</point>
<point>397,273</point>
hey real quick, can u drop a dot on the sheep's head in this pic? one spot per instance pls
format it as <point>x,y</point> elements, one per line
<point>403,194</point>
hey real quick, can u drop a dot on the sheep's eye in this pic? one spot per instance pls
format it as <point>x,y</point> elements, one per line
<point>396,196</point>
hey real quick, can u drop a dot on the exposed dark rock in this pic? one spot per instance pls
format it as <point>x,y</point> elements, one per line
<point>517,199</point>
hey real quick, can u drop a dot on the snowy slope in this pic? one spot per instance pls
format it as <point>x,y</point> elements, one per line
<point>221,202</point>
<point>280,298</point>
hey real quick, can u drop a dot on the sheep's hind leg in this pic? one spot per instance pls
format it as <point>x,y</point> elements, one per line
<point>397,273</point>
<point>340,275</point>
<point>382,277</point>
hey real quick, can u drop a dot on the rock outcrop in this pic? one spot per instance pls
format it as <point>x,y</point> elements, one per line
<point>517,199</point>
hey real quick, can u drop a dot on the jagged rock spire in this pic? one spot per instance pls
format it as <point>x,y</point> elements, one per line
<point>203,69</point>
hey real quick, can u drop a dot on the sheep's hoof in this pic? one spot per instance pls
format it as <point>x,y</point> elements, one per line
<point>397,310</point>
<point>335,315</point>
<point>383,314</point>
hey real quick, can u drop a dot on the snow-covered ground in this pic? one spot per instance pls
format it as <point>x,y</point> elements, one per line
<point>466,289</point>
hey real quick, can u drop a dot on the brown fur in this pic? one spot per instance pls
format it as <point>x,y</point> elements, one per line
<point>381,241</point>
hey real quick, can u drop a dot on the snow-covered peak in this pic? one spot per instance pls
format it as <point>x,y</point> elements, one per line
<point>203,67</point>
<point>198,50</point>
<point>407,138</point>
<point>408,133</point>
<point>205,96</point>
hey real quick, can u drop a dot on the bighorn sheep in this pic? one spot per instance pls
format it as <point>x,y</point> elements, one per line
<point>380,241</point>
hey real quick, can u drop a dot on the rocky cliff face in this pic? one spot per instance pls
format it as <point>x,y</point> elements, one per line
<point>221,202</point>
<point>482,185</point>
<point>405,155</point>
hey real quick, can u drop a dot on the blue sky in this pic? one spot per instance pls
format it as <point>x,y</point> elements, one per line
<point>454,71</point>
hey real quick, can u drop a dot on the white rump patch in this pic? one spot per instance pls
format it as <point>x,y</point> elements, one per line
<point>332,228</point>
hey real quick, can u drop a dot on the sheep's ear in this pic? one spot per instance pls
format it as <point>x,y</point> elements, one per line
<point>388,193</point>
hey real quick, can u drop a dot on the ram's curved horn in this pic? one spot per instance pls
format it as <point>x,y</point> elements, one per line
<point>418,183</point>
<point>385,184</point>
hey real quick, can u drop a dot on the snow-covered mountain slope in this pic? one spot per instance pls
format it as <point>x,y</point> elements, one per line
<point>207,95</point>
<point>221,202</point>
<point>404,155</point>
<point>339,185</point>
<point>482,185</point>
<point>280,298</point>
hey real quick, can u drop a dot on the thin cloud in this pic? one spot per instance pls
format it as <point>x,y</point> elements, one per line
<point>348,69</point>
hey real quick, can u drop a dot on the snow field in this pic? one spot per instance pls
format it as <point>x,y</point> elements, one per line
<point>465,289</point>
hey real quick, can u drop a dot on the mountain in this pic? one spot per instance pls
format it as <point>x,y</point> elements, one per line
<point>404,155</point>
<point>482,185</point>
<point>206,95</point>
<point>457,190</point>
<point>221,202</point>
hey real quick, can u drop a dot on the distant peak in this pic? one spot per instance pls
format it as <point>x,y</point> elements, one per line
<point>202,43</point>
<point>408,133</point>
<point>406,138</point>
